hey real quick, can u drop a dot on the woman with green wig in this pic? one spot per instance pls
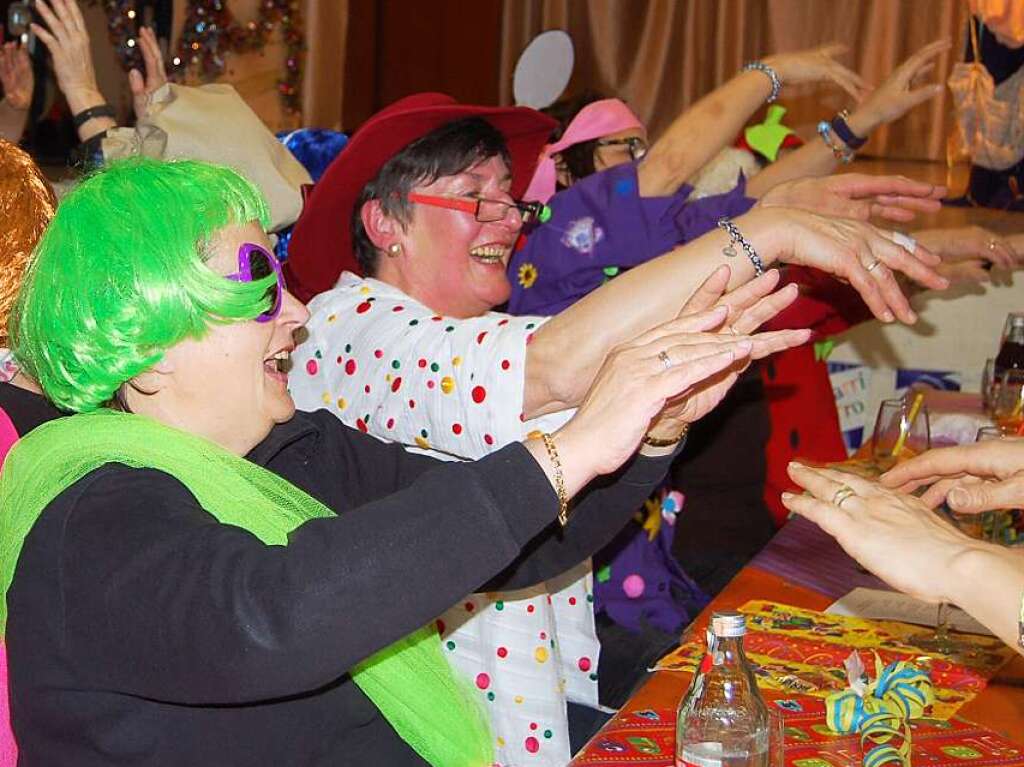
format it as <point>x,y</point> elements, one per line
<point>195,574</point>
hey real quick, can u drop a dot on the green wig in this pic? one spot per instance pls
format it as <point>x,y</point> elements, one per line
<point>119,276</point>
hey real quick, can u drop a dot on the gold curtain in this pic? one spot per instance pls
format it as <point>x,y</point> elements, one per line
<point>662,55</point>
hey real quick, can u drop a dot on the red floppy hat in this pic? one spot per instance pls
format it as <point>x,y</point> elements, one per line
<point>321,245</point>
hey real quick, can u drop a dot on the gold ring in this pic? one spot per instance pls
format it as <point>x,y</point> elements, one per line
<point>663,356</point>
<point>873,264</point>
<point>843,494</point>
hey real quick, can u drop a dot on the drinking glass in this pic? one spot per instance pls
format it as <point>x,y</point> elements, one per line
<point>989,385</point>
<point>896,438</point>
<point>776,736</point>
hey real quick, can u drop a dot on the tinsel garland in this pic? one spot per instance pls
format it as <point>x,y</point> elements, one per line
<point>209,32</point>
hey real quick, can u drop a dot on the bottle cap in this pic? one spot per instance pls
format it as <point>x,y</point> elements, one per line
<point>728,624</point>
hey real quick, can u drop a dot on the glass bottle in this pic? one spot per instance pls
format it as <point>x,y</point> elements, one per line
<point>722,720</point>
<point>1011,349</point>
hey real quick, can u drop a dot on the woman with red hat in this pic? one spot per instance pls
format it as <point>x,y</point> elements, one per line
<point>423,201</point>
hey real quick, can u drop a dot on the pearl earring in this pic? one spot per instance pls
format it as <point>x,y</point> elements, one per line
<point>394,249</point>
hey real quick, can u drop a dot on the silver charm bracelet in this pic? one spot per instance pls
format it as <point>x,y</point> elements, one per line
<point>735,237</point>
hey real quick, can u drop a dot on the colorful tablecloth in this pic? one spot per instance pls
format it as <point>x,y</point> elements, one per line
<point>802,651</point>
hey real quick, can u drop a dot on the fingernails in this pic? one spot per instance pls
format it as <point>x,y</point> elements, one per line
<point>911,317</point>
<point>795,465</point>
<point>888,316</point>
<point>958,497</point>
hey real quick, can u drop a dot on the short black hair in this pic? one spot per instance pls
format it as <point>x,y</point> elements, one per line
<point>446,151</point>
<point>578,159</point>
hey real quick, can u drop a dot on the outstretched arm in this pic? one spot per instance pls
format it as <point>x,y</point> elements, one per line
<point>700,132</point>
<point>567,351</point>
<point>890,101</point>
<point>906,544</point>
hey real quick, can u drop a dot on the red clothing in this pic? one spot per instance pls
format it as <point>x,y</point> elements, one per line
<point>805,423</point>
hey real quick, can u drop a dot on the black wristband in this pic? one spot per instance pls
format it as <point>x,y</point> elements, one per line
<point>842,130</point>
<point>100,110</point>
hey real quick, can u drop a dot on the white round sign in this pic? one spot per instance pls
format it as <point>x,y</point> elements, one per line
<point>543,69</point>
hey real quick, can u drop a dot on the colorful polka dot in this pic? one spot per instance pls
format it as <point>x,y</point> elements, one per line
<point>339,359</point>
<point>365,289</point>
<point>479,394</point>
<point>361,425</point>
<point>396,384</point>
<point>633,585</point>
<point>350,367</point>
<point>572,600</point>
<point>436,318</point>
<point>431,384</point>
<point>469,607</point>
<point>548,734</point>
<point>422,363</point>
<point>395,364</point>
<point>483,681</point>
<point>364,307</point>
<point>480,337</point>
<point>518,699</point>
<point>543,635</point>
<point>533,725</point>
<point>447,384</point>
<point>326,397</point>
<point>342,403</point>
<point>348,348</point>
<point>503,322</point>
<point>505,364</point>
<point>530,608</point>
<point>311,367</point>
<point>450,644</point>
<point>449,329</point>
<point>412,404</point>
<point>541,655</point>
<point>488,439</point>
<point>490,696</point>
<point>584,664</point>
<point>532,745</point>
<point>456,428</point>
<point>456,361</point>
<point>398,308</point>
<point>434,367</point>
<point>502,652</point>
<point>413,323</point>
<point>499,605</point>
<point>501,741</point>
<point>332,317</point>
<point>391,423</point>
<point>378,353</point>
<point>420,442</point>
<point>366,388</point>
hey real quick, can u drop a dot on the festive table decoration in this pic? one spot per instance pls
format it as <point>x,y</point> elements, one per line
<point>799,651</point>
<point>880,711</point>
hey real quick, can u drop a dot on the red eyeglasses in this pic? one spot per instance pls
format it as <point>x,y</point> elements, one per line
<point>485,211</point>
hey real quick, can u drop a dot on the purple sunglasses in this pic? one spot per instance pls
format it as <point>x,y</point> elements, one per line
<point>254,264</point>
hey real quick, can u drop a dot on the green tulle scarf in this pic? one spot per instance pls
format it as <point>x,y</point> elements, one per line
<point>410,681</point>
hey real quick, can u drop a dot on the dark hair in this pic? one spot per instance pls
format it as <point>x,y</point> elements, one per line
<point>578,159</point>
<point>445,151</point>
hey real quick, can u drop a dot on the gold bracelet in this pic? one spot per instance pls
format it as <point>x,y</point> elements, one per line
<point>563,499</point>
<point>656,442</point>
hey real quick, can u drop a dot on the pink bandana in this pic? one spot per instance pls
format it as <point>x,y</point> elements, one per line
<point>593,121</point>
